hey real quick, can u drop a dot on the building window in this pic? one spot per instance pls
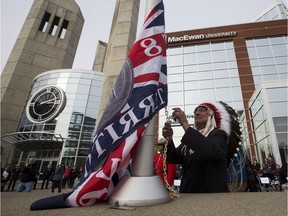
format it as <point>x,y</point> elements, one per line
<point>268,58</point>
<point>205,66</point>
<point>63,29</point>
<point>44,23</point>
<point>278,105</point>
<point>260,128</point>
<point>268,111</point>
<point>54,27</point>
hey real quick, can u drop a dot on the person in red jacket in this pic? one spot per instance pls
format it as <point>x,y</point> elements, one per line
<point>66,177</point>
<point>159,164</point>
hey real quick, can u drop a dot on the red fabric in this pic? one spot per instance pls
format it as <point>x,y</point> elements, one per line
<point>67,172</point>
<point>171,169</point>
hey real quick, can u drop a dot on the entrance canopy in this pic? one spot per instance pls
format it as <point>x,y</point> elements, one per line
<point>33,141</point>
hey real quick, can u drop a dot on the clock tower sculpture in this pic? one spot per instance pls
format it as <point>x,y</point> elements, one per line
<point>48,40</point>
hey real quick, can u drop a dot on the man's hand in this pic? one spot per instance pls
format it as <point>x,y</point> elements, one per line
<point>181,117</point>
<point>167,131</point>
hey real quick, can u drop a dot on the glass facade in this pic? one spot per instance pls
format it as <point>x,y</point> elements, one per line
<point>278,11</point>
<point>209,72</point>
<point>268,58</point>
<point>199,73</point>
<point>277,99</point>
<point>76,123</point>
<point>260,128</point>
<point>268,110</point>
<point>245,136</point>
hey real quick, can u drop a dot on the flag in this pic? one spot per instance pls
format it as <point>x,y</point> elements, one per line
<point>139,93</point>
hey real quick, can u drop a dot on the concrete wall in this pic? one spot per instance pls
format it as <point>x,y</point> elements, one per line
<point>122,36</point>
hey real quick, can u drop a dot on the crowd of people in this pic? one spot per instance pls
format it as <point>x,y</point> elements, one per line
<point>27,177</point>
<point>274,174</point>
<point>65,176</point>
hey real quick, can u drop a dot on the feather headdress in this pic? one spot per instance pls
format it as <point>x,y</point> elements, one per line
<point>240,174</point>
<point>226,119</point>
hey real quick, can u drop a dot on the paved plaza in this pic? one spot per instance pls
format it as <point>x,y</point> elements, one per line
<point>222,204</point>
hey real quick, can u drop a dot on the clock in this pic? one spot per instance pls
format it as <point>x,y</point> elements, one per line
<point>46,104</point>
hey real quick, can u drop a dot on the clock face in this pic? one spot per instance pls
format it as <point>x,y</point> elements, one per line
<point>46,104</point>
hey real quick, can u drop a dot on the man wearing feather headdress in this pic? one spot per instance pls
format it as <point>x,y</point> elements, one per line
<point>205,150</point>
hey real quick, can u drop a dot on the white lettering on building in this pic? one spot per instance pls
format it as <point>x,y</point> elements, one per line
<point>183,38</point>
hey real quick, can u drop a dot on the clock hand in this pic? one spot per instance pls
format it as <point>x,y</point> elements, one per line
<point>51,101</point>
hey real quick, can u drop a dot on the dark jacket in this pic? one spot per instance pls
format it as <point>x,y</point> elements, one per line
<point>204,161</point>
<point>15,173</point>
<point>58,175</point>
<point>29,173</point>
<point>283,174</point>
<point>48,173</point>
<point>73,173</point>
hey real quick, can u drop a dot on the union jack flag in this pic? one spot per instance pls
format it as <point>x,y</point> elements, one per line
<point>139,93</point>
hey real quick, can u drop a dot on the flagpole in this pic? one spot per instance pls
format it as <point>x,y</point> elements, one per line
<point>143,160</point>
<point>142,188</point>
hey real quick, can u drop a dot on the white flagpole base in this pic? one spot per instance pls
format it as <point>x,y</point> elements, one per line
<point>139,191</point>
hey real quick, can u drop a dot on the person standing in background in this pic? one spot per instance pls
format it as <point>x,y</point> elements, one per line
<point>159,165</point>
<point>256,166</point>
<point>66,177</point>
<point>28,175</point>
<point>58,177</point>
<point>5,176</point>
<point>14,177</point>
<point>73,175</point>
<point>35,181</point>
<point>47,174</point>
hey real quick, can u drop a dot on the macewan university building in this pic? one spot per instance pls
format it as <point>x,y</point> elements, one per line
<point>244,65</point>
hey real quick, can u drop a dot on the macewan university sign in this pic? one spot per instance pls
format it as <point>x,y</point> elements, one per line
<point>187,37</point>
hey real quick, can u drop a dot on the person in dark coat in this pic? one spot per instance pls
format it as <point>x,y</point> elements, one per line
<point>256,166</point>
<point>14,177</point>
<point>202,152</point>
<point>283,177</point>
<point>57,178</point>
<point>5,176</point>
<point>73,175</point>
<point>47,174</point>
<point>28,175</point>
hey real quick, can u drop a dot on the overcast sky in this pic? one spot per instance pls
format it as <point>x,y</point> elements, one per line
<point>179,15</point>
